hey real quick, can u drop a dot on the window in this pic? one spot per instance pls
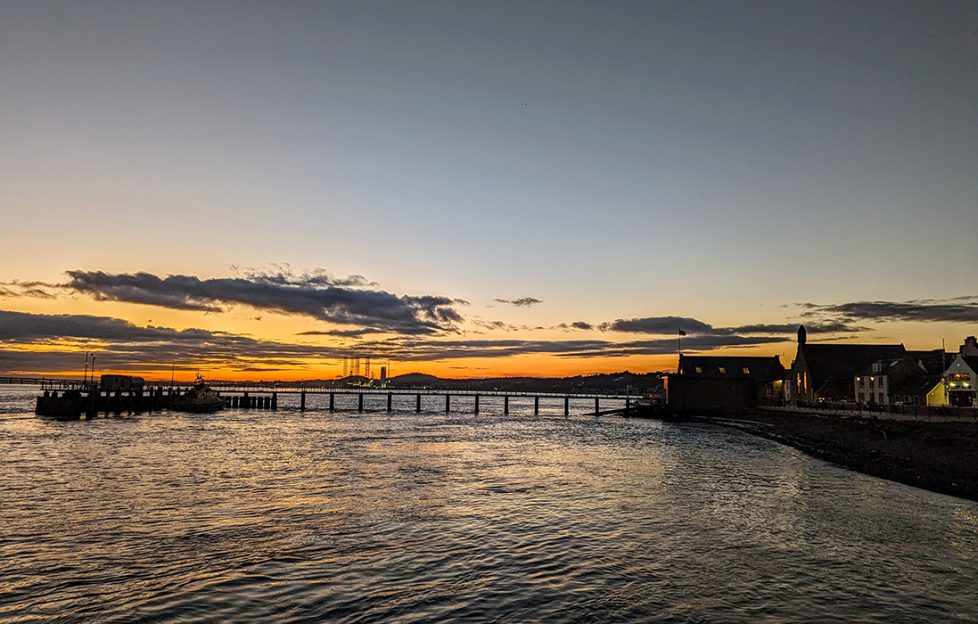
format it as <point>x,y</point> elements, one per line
<point>699,371</point>
<point>723,371</point>
<point>746,371</point>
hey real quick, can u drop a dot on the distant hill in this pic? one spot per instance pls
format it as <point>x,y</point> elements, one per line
<point>622,382</point>
<point>415,379</point>
<point>613,382</point>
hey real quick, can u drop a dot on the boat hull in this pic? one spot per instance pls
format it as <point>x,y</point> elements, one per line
<point>198,408</point>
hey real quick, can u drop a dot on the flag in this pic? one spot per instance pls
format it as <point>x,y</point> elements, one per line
<point>682,333</point>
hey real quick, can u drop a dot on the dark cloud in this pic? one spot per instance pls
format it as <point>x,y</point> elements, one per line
<point>343,333</point>
<point>501,326</point>
<point>666,325</point>
<point>957,310</point>
<point>823,327</point>
<point>317,296</point>
<point>284,275</point>
<point>410,349</point>
<point>121,345</point>
<point>522,302</point>
<point>657,325</point>
<point>582,325</point>
<point>36,290</point>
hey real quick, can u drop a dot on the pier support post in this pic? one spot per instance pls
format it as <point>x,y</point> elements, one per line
<point>360,402</point>
<point>275,401</point>
<point>628,404</point>
<point>332,401</point>
<point>302,400</point>
<point>506,404</point>
<point>234,402</point>
<point>390,400</point>
<point>597,405</point>
<point>417,404</point>
<point>566,406</point>
<point>536,406</point>
<point>477,404</point>
<point>448,403</point>
<point>245,401</point>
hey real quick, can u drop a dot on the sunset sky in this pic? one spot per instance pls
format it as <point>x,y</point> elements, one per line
<point>258,189</point>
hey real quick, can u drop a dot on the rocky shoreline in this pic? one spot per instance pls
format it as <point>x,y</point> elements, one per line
<point>939,456</point>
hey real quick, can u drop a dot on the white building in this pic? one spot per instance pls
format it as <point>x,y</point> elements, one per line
<point>873,385</point>
<point>961,379</point>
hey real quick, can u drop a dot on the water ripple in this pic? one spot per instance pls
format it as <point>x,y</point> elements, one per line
<point>418,517</point>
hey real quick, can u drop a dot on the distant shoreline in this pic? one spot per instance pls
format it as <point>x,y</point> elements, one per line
<point>939,456</point>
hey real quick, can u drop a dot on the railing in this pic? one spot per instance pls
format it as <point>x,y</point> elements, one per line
<point>898,412</point>
<point>292,388</point>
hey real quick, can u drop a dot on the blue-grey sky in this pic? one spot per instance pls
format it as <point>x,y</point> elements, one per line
<point>612,159</point>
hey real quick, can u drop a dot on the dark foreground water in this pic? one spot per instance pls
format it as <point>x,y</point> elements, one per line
<point>409,518</point>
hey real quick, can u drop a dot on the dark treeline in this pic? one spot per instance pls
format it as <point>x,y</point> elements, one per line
<point>611,382</point>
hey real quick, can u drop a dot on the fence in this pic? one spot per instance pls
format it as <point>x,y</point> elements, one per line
<point>886,412</point>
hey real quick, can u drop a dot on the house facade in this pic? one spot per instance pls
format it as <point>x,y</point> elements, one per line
<point>872,386</point>
<point>961,378</point>
<point>915,379</point>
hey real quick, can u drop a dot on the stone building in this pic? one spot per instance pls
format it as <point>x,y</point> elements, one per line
<point>717,383</point>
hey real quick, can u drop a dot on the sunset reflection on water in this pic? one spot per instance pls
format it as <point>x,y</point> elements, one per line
<point>409,517</point>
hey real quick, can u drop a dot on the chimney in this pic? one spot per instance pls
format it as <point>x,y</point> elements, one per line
<point>970,347</point>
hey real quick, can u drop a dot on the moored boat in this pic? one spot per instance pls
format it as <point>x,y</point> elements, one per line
<point>199,399</point>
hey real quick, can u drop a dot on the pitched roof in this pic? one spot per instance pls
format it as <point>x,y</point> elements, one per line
<point>915,386</point>
<point>933,362</point>
<point>735,367</point>
<point>971,361</point>
<point>831,367</point>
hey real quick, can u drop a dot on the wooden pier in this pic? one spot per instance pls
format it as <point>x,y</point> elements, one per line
<point>71,399</point>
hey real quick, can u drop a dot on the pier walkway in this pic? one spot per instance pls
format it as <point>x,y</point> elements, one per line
<point>262,395</point>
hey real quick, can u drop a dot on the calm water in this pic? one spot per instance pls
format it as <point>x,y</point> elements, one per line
<point>408,518</point>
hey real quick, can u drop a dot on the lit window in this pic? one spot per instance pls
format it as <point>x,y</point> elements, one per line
<point>699,371</point>
<point>723,371</point>
<point>746,371</point>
